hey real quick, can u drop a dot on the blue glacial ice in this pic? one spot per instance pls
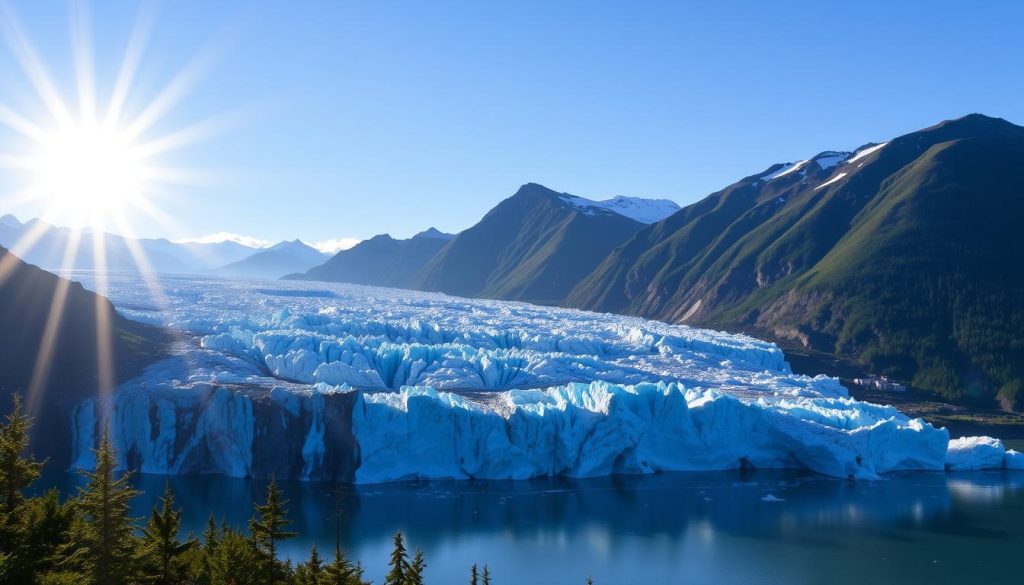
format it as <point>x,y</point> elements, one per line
<point>327,381</point>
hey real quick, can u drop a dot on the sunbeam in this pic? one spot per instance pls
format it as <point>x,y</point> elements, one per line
<point>44,357</point>
<point>90,164</point>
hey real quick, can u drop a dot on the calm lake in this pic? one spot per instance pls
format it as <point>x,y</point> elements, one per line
<point>721,527</point>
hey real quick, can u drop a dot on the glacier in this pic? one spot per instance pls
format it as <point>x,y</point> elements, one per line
<point>323,381</point>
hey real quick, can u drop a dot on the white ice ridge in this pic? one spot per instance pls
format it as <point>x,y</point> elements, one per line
<point>585,430</point>
<point>331,381</point>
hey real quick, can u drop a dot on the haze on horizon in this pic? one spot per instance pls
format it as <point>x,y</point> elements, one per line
<point>348,120</point>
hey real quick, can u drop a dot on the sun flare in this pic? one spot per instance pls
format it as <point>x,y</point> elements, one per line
<point>95,166</point>
<point>88,172</point>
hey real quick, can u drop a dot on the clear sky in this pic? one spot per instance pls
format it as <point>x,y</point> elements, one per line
<point>351,119</point>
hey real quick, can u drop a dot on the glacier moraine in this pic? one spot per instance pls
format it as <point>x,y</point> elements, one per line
<point>336,382</point>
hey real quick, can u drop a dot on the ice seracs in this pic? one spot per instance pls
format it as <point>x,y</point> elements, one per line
<point>342,382</point>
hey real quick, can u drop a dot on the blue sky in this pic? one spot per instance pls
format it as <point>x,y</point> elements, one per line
<point>352,119</point>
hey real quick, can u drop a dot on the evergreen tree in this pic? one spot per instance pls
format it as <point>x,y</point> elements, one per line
<point>103,539</point>
<point>416,569</point>
<point>28,535</point>
<point>200,557</point>
<point>161,551</point>
<point>312,572</point>
<point>43,525</point>
<point>268,529</point>
<point>16,470</point>
<point>235,560</point>
<point>340,571</point>
<point>473,575</point>
<point>357,576</point>
<point>399,563</point>
<point>487,576</point>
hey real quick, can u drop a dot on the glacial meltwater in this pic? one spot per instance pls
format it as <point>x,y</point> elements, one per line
<point>734,527</point>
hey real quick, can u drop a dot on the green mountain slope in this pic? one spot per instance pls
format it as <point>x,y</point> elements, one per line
<point>904,259</point>
<point>534,246</point>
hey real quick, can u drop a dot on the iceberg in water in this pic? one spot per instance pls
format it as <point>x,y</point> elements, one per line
<point>365,384</point>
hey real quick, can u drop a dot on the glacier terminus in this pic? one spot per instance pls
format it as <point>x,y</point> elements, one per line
<point>323,381</point>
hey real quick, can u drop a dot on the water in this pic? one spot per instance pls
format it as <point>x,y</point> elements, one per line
<point>693,528</point>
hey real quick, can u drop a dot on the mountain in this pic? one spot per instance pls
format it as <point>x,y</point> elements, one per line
<point>381,260</point>
<point>534,246</point>
<point>47,246</point>
<point>902,257</point>
<point>435,234</point>
<point>274,262</point>
<point>28,296</point>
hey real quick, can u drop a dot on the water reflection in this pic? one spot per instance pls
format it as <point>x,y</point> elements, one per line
<point>699,524</point>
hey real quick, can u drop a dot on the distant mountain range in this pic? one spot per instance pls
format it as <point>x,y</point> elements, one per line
<point>275,261</point>
<point>46,246</point>
<point>902,257</point>
<point>57,248</point>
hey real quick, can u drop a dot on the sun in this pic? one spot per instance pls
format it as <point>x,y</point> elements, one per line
<point>88,172</point>
<point>101,162</point>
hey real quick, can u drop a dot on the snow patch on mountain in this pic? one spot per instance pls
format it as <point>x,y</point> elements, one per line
<point>827,160</point>
<point>865,152</point>
<point>830,181</point>
<point>635,208</point>
<point>786,169</point>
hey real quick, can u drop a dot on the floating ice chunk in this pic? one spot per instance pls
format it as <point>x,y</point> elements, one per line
<point>973,453</point>
<point>1013,459</point>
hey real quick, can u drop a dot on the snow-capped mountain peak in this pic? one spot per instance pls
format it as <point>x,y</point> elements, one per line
<point>636,208</point>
